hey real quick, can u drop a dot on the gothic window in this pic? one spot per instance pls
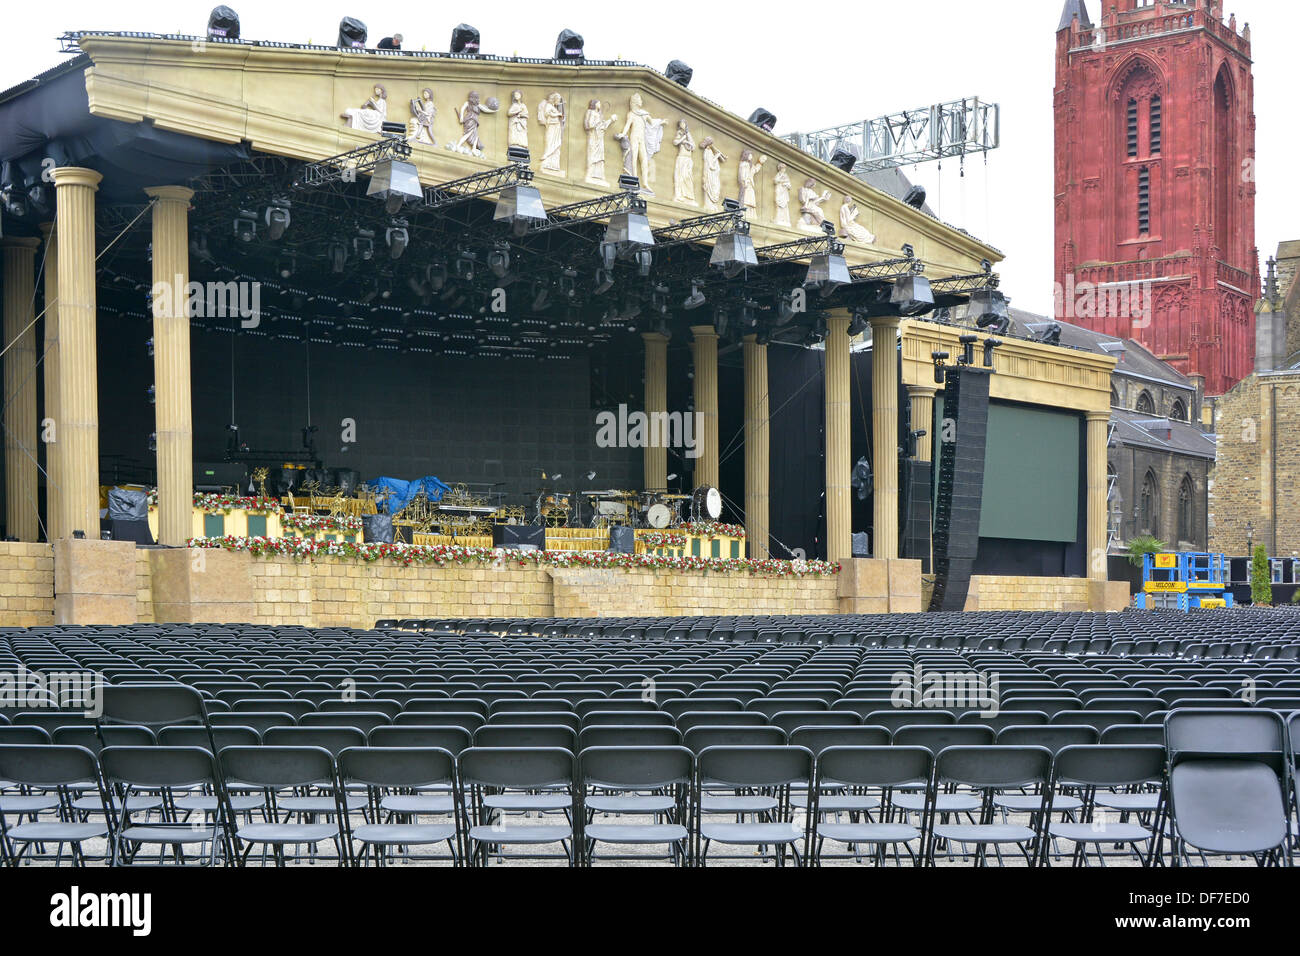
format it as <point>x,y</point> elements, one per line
<point>1114,397</point>
<point>1132,128</point>
<point>1186,521</point>
<point>1156,125</point>
<point>1149,506</point>
<point>1144,403</point>
<point>1178,412</point>
<point>1144,201</point>
<point>1226,173</point>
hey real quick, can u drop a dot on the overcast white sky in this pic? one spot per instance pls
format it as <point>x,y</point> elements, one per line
<point>813,67</point>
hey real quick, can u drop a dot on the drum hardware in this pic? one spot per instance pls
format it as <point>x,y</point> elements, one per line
<point>706,504</point>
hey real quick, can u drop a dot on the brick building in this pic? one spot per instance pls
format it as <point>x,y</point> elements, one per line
<point>1255,492</point>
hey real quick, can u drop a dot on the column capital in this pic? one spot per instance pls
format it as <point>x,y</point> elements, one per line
<point>704,332</point>
<point>885,321</point>
<point>651,337</point>
<point>76,176</point>
<point>752,340</point>
<point>1098,416</point>
<point>20,242</point>
<point>922,391</point>
<point>170,193</point>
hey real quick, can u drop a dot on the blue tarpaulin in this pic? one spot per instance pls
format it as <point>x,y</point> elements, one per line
<point>401,492</point>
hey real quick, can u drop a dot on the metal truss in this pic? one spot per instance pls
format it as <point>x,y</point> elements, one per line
<point>799,249</point>
<point>959,128</point>
<point>589,210</point>
<point>702,227</point>
<point>961,285</point>
<point>887,269</point>
<point>476,185</point>
<point>363,159</point>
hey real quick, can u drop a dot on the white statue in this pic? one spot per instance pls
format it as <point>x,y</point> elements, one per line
<point>422,115</point>
<point>810,207</point>
<point>370,117</point>
<point>713,158</point>
<point>746,170</point>
<point>781,187</point>
<point>517,121</point>
<point>644,134</point>
<point>550,113</point>
<point>595,124</point>
<point>684,170</point>
<point>468,116</point>
<point>849,227</point>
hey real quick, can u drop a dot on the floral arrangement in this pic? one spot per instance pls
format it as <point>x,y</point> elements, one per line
<point>314,524</point>
<point>713,529</point>
<point>443,555</point>
<point>228,503</point>
<point>663,539</point>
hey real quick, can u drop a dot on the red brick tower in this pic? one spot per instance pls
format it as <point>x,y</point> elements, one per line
<point>1155,185</point>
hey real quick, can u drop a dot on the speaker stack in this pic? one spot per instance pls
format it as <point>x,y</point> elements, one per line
<point>915,508</point>
<point>519,537</point>
<point>960,485</point>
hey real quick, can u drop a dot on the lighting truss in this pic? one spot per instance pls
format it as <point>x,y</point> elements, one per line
<point>960,285</point>
<point>800,249</point>
<point>887,269</point>
<point>476,185</point>
<point>363,159</point>
<point>701,228</point>
<point>590,210</point>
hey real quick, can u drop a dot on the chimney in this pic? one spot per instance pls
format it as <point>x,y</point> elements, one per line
<point>1270,325</point>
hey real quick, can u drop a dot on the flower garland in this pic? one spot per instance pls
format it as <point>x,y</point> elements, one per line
<point>227,503</point>
<point>313,524</point>
<point>663,539</point>
<point>713,529</point>
<point>445,554</point>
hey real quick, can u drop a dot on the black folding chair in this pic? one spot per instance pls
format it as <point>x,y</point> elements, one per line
<point>404,783</point>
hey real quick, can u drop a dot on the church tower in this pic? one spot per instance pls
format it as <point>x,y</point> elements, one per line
<point>1155,184</point>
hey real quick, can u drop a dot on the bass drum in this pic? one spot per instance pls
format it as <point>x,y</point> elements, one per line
<point>658,515</point>
<point>706,504</point>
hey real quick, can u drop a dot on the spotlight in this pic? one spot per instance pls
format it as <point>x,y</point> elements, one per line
<point>396,183</point>
<point>915,197</point>
<point>827,273</point>
<point>364,244</point>
<point>845,158</point>
<point>912,295</point>
<point>223,24</point>
<point>784,308</point>
<point>568,46</point>
<point>464,39</point>
<point>1051,335</point>
<point>38,198</point>
<point>246,225</point>
<point>15,201</point>
<point>435,274</point>
<point>968,348</point>
<point>720,321</point>
<point>397,237</point>
<point>352,34</point>
<point>695,299</point>
<point>999,325</point>
<point>644,259</point>
<point>541,294</point>
<point>987,307</point>
<point>148,347</point>
<point>858,324</point>
<point>338,256</point>
<point>285,265</point>
<point>498,260</point>
<point>816,333</point>
<point>608,253</point>
<point>679,73</point>
<point>604,282</point>
<point>465,267</point>
<point>520,205</point>
<point>568,287</point>
<point>763,119</point>
<point>276,217</point>
<point>79,534</point>
<point>989,345</point>
<point>732,252</point>
<point>630,228</point>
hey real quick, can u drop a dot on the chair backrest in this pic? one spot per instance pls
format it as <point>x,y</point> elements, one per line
<point>1223,733</point>
<point>1007,718</point>
<point>469,719</point>
<point>362,720</point>
<point>330,739</point>
<point>938,737</point>
<point>159,766</point>
<point>188,736</point>
<point>699,738</point>
<point>451,739</point>
<point>656,718</point>
<point>756,766</point>
<point>628,735</point>
<point>1134,734</point>
<point>994,765</point>
<point>526,735</point>
<point>635,767</point>
<point>47,765</point>
<point>1052,736</point>
<point>277,767</point>
<point>95,738</point>
<point>819,738</point>
<point>895,718</point>
<point>1101,719</point>
<point>153,705</point>
<point>789,720</point>
<point>1109,765</point>
<point>412,767</point>
<point>720,718</point>
<point>517,767</point>
<point>681,705</point>
<point>261,722</point>
<point>874,766</point>
<point>24,735</point>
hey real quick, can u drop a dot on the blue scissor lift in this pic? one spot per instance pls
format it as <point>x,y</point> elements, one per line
<point>1185,580</point>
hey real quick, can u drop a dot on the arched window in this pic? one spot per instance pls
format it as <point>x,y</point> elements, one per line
<point>1186,518</point>
<point>1226,173</point>
<point>1149,506</point>
<point>1144,403</point>
<point>1114,397</point>
<point>1178,412</point>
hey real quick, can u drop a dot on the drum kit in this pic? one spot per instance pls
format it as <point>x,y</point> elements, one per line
<point>706,504</point>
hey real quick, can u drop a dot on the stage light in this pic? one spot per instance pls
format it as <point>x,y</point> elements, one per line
<point>845,158</point>
<point>644,259</point>
<point>720,321</point>
<point>568,46</point>
<point>630,228</point>
<point>784,308</point>
<point>858,324</point>
<point>763,119</point>
<point>223,24</point>
<point>498,260</point>
<point>276,217</point>
<point>465,267</point>
<point>816,333</point>
<point>732,252</point>
<point>397,237</point>
<point>912,295</point>
<point>38,198</point>
<point>520,205</point>
<point>987,307</point>
<point>608,253</point>
<point>148,347</point>
<point>246,225</point>
<point>968,348</point>
<point>338,256</point>
<point>989,345</point>
<point>363,244</point>
<point>464,39</point>
<point>541,294</point>
<point>915,197</point>
<point>604,282</point>
<point>1051,335</point>
<point>435,274</point>
<point>827,272</point>
<point>695,299</point>
<point>285,266</point>
<point>396,183</point>
<point>679,73</point>
<point>352,34</point>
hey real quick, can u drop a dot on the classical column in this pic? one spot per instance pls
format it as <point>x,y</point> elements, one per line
<point>757,466</point>
<point>78,432</point>
<point>1098,433</point>
<point>705,350</point>
<point>50,378</point>
<point>839,436</point>
<point>655,456</point>
<point>884,434</point>
<point>22,510</point>
<point>922,397</point>
<point>171,363</point>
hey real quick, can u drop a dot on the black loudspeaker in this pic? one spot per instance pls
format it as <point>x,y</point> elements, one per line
<point>861,544</point>
<point>960,485</point>
<point>219,475</point>
<point>622,539</point>
<point>377,529</point>
<point>519,536</point>
<point>915,502</point>
<point>120,530</point>
<point>127,505</point>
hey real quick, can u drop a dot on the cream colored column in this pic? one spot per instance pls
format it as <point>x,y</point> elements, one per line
<point>50,378</point>
<point>757,441</point>
<point>884,434</point>
<point>171,363</point>
<point>654,458</point>
<point>922,397</point>
<point>1098,431</point>
<point>22,509</point>
<point>839,439</point>
<point>704,347</point>
<point>78,432</point>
